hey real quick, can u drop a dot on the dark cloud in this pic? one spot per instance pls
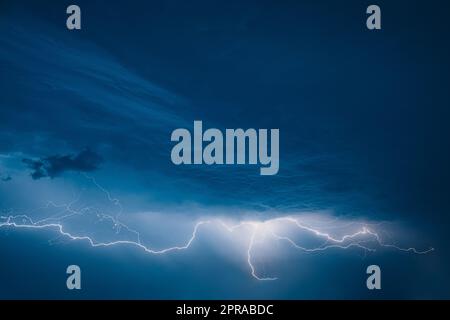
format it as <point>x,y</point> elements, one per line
<point>5,178</point>
<point>54,166</point>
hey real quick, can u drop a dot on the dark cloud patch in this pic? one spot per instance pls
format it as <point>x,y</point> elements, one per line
<point>54,166</point>
<point>5,178</point>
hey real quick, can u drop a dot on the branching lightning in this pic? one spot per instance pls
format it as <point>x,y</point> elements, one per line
<point>254,230</point>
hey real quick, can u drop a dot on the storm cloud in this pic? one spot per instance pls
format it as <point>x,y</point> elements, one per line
<point>5,177</point>
<point>53,166</point>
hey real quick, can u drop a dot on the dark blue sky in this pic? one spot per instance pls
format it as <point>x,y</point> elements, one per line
<point>363,118</point>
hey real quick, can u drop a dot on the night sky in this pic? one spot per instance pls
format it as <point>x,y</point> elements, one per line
<point>85,123</point>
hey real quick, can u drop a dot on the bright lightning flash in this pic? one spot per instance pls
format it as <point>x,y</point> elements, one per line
<point>364,237</point>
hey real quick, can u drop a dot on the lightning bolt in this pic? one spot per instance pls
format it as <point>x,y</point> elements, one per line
<point>254,229</point>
